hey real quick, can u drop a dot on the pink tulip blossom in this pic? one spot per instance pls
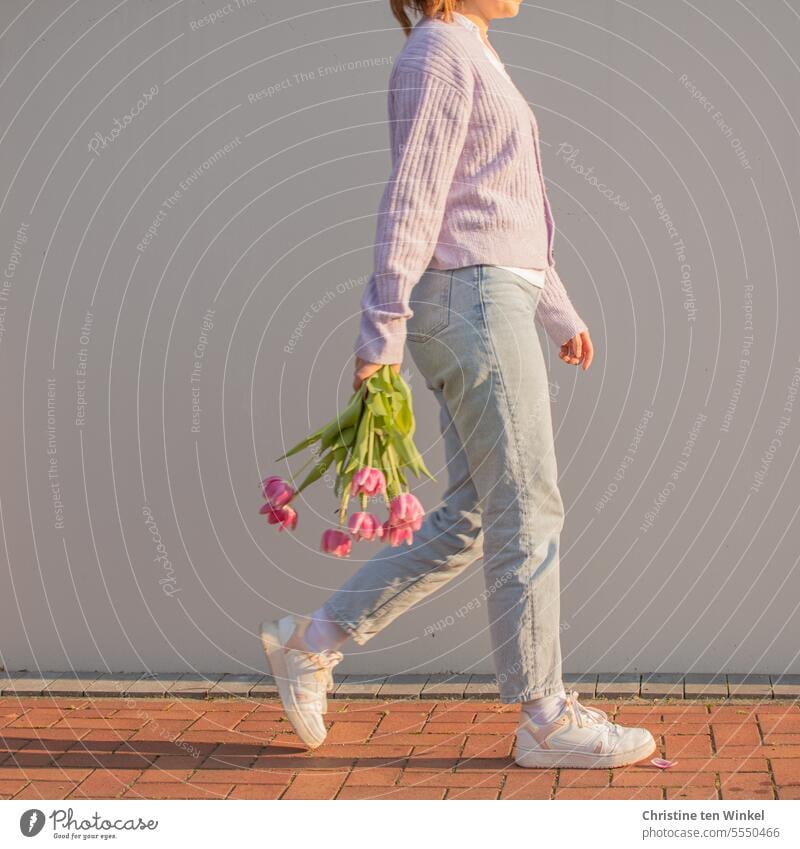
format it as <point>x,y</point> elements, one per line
<point>365,526</point>
<point>397,534</point>
<point>405,510</point>
<point>368,481</point>
<point>277,491</point>
<point>337,543</point>
<point>284,517</point>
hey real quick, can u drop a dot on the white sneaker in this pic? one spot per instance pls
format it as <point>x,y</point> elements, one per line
<point>304,678</point>
<point>580,737</point>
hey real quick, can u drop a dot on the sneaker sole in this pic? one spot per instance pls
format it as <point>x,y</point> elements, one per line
<point>273,649</point>
<point>580,760</point>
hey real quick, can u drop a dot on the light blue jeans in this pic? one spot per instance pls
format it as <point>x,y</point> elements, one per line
<point>473,338</point>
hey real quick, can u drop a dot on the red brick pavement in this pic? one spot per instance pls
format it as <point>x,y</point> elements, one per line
<point>240,749</point>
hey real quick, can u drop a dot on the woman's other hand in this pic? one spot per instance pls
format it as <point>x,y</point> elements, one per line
<point>365,370</point>
<point>578,350</point>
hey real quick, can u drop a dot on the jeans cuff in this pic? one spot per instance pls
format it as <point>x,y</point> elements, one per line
<point>531,693</point>
<point>354,629</point>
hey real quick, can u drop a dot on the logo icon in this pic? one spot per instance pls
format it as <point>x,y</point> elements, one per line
<point>31,822</point>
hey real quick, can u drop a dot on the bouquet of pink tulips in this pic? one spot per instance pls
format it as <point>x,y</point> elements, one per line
<point>370,446</point>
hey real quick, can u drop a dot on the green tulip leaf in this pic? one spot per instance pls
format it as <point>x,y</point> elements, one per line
<point>309,440</point>
<point>317,472</point>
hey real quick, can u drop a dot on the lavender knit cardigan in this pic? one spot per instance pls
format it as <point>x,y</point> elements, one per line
<point>466,186</point>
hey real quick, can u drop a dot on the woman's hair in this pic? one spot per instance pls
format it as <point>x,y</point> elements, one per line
<point>430,8</point>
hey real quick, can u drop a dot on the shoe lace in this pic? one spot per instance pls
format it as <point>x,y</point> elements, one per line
<point>325,661</point>
<point>585,716</point>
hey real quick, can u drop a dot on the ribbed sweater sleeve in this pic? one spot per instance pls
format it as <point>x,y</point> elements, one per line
<point>428,118</point>
<point>555,310</point>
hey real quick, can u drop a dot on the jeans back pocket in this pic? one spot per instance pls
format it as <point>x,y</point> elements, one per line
<point>430,303</point>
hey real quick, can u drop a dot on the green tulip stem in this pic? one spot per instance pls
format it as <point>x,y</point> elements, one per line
<point>307,463</point>
<point>395,475</point>
<point>371,444</point>
<point>350,448</point>
<point>343,506</point>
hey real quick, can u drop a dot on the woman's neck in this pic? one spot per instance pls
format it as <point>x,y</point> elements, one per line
<point>477,19</point>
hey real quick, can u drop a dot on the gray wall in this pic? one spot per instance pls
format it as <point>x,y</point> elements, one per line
<point>150,380</point>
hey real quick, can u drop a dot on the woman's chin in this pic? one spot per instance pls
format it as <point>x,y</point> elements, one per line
<point>509,10</point>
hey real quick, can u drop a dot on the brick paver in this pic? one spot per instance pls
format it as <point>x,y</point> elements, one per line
<point>241,748</point>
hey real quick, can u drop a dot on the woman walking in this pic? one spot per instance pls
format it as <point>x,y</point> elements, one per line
<point>463,266</point>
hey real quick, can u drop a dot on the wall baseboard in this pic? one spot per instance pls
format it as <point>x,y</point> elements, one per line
<point>602,686</point>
